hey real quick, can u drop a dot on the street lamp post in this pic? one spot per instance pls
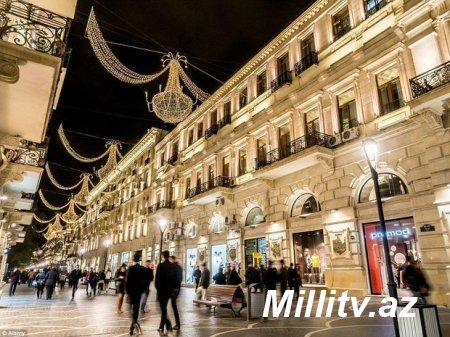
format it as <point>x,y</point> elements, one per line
<point>371,153</point>
<point>106,244</point>
<point>162,229</point>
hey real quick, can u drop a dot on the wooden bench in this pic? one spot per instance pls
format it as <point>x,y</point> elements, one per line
<point>224,296</point>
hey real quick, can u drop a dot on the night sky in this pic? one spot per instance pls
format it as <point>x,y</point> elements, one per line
<point>216,36</point>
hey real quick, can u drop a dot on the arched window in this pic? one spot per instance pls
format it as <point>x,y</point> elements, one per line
<point>390,185</point>
<point>255,216</point>
<point>305,204</point>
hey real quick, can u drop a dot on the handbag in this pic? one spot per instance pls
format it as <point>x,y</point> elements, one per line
<point>34,284</point>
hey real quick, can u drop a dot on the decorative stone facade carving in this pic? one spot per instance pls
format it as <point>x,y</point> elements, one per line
<point>9,70</point>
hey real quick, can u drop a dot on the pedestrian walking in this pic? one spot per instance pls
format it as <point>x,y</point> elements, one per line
<point>196,275</point>
<point>87,279</point>
<point>271,277</point>
<point>40,283</point>
<point>50,282</point>
<point>93,281</point>
<point>120,286</point>
<point>205,280</point>
<point>14,281</point>
<point>74,278</point>
<point>284,277</point>
<point>149,278</point>
<point>101,281</point>
<point>416,282</point>
<point>220,278</point>
<point>176,291</point>
<point>294,280</point>
<point>137,282</point>
<point>107,279</point>
<point>164,283</point>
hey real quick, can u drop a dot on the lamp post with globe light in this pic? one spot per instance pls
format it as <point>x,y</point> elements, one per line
<point>162,229</point>
<point>370,147</point>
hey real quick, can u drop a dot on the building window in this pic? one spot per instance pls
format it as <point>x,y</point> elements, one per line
<point>242,161</point>
<point>389,90</point>
<point>347,110</point>
<point>226,166</point>
<point>308,46</point>
<point>304,205</point>
<point>213,117</point>
<point>200,130</point>
<point>390,186</point>
<point>188,187</point>
<point>243,98</point>
<point>190,137</point>
<point>130,232</point>
<point>284,136</point>
<point>261,83</point>
<point>341,23</point>
<point>175,148</point>
<point>373,6</point>
<point>227,108</point>
<point>255,216</point>
<point>283,64</point>
<point>262,149</point>
<point>161,159</point>
<point>312,121</point>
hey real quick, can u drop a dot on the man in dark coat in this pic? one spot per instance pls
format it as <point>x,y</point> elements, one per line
<point>74,278</point>
<point>165,281</point>
<point>136,284</point>
<point>14,279</point>
<point>284,277</point>
<point>50,282</point>
<point>205,279</point>
<point>149,280</point>
<point>176,291</point>
<point>220,278</point>
<point>271,277</point>
<point>197,274</point>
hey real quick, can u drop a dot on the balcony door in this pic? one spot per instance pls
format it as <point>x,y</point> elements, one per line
<point>283,64</point>
<point>211,176</point>
<point>308,46</point>
<point>312,127</point>
<point>285,138</point>
<point>213,117</point>
<point>389,90</point>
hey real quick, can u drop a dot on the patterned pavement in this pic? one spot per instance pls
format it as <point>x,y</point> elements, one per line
<point>23,315</point>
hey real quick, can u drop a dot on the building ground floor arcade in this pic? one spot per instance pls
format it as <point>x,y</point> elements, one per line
<point>322,217</point>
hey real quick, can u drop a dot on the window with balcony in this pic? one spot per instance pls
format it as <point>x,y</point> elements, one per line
<point>190,137</point>
<point>348,117</point>
<point>261,144</point>
<point>373,6</point>
<point>284,138</point>
<point>226,166</point>
<point>211,175</point>
<point>242,161</point>
<point>243,98</point>
<point>261,83</point>
<point>341,23</point>
<point>213,119</point>
<point>188,187</point>
<point>161,159</point>
<point>284,75</point>
<point>199,130</point>
<point>389,90</point>
<point>227,109</point>
<point>309,55</point>
<point>312,121</point>
<point>198,182</point>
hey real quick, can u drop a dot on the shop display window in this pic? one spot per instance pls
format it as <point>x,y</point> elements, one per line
<point>403,246</point>
<point>218,258</point>
<point>255,252</point>
<point>191,264</point>
<point>310,256</point>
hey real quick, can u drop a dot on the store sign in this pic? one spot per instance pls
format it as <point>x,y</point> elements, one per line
<point>391,233</point>
<point>427,228</point>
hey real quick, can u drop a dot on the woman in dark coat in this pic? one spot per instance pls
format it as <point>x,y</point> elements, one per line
<point>50,282</point>
<point>40,283</point>
<point>234,279</point>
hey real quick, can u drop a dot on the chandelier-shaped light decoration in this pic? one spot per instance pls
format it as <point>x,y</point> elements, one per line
<point>111,163</point>
<point>55,229</point>
<point>170,105</point>
<point>81,197</point>
<point>70,216</point>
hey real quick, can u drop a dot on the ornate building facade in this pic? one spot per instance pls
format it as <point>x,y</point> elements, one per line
<point>271,166</point>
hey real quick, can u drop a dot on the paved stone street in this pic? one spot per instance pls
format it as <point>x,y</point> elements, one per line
<point>98,317</point>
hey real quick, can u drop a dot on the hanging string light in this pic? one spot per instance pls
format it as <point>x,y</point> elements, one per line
<point>41,220</point>
<point>70,216</point>
<point>170,105</point>
<point>55,182</point>
<point>49,205</point>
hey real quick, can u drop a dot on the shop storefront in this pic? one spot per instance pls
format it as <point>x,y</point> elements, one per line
<point>191,264</point>
<point>255,251</point>
<point>403,246</point>
<point>218,258</point>
<point>125,258</point>
<point>310,256</point>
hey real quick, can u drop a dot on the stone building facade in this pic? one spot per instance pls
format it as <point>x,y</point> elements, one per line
<point>271,166</point>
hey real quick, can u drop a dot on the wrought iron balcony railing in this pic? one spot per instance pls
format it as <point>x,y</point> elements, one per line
<point>373,6</point>
<point>172,160</point>
<point>224,121</point>
<point>430,80</point>
<point>212,130</point>
<point>170,204</point>
<point>33,27</point>
<point>209,185</point>
<point>282,79</point>
<point>306,62</point>
<point>293,147</point>
<point>28,153</point>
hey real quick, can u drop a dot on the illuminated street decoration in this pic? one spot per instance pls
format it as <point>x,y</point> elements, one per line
<point>170,105</point>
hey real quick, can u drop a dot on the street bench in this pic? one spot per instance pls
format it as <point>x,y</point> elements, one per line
<point>224,296</point>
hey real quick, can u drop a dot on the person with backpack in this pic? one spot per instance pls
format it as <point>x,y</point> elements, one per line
<point>40,283</point>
